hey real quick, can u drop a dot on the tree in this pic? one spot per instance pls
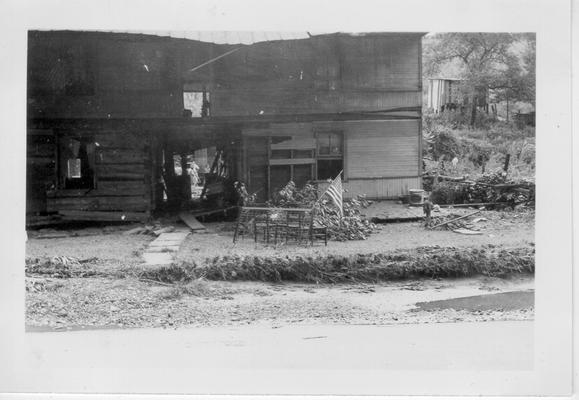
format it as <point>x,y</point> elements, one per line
<point>485,61</point>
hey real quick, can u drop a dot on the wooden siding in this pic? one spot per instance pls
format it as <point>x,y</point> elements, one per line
<point>323,74</point>
<point>40,168</point>
<point>377,149</point>
<point>103,75</point>
<point>379,188</point>
<point>256,101</point>
<point>98,203</point>
<point>113,75</point>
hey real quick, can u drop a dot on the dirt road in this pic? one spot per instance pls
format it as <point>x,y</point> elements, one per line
<point>98,302</point>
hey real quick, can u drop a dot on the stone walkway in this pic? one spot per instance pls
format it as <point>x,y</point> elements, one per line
<point>162,249</point>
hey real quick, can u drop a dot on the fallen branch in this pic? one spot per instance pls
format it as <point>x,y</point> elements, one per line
<point>470,205</point>
<point>456,219</point>
<point>156,282</point>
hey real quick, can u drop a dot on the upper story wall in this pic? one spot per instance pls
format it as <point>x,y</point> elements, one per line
<point>324,74</point>
<point>88,74</point>
<point>101,75</point>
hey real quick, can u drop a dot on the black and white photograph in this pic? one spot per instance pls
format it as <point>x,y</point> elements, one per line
<point>201,207</point>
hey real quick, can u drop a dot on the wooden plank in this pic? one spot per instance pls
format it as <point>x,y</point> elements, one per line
<point>191,221</point>
<point>121,140</point>
<point>120,171</point>
<point>296,143</point>
<point>100,203</point>
<point>76,215</point>
<point>456,219</point>
<point>32,160</point>
<point>105,188</point>
<point>39,132</point>
<point>40,150</point>
<point>41,220</point>
<point>291,161</point>
<point>120,156</point>
<point>121,188</point>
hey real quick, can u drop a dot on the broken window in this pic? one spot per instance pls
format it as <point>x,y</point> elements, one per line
<point>73,168</point>
<point>196,104</point>
<point>77,163</point>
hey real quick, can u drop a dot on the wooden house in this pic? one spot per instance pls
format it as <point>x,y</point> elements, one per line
<point>445,94</point>
<point>109,112</point>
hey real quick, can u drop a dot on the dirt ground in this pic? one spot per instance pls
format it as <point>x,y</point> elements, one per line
<point>109,243</point>
<point>96,302</point>
<point>500,228</point>
<point>129,302</point>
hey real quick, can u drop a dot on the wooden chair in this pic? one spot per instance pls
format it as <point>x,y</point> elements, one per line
<point>317,231</point>
<point>279,225</point>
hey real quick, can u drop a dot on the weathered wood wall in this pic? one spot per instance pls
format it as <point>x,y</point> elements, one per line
<point>88,74</point>
<point>112,75</point>
<point>123,175</point>
<point>327,74</point>
<point>381,158</point>
<point>379,188</point>
<point>80,76</point>
<point>106,75</point>
<point>379,149</point>
<point>40,168</point>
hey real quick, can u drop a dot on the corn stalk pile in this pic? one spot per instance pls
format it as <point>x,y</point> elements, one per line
<point>423,262</point>
<point>489,188</point>
<point>60,267</point>
<point>351,226</point>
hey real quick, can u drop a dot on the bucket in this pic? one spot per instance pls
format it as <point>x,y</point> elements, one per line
<point>416,196</point>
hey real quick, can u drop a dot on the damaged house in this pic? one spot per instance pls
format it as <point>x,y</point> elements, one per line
<point>114,119</point>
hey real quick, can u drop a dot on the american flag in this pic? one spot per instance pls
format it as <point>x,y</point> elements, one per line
<point>335,192</point>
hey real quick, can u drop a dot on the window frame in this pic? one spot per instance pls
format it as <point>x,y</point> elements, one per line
<point>64,182</point>
<point>290,165</point>
<point>204,94</point>
<point>342,156</point>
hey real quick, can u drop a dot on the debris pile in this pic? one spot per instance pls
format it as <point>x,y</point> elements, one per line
<point>424,262</point>
<point>457,223</point>
<point>492,189</point>
<point>351,226</point>
<point>60,267</point>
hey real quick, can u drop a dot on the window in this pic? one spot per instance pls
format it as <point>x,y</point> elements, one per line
<point>73,168</point>
<point>305,158</point>
<point>196,104</point>
<point>291,158</point>
<point>330,159</point>
<point>329,144</point>
<point>77,163</point>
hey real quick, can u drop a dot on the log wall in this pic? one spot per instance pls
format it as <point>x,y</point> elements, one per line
<point>123,176</point>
